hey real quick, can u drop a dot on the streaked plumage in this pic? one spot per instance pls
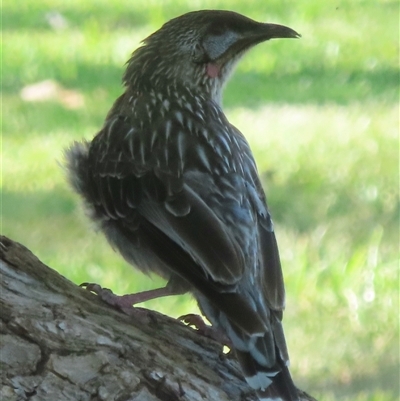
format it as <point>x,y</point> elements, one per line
<point>174,187</point>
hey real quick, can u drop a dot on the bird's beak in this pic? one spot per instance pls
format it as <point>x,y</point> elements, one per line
<point>273,31</point>
<point>261,33</point>
<point>230,45</point>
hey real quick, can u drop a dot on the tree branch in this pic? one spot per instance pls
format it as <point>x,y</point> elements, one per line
<point>59,342</point>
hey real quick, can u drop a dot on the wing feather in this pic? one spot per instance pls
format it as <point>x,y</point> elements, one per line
<point>132,184</point>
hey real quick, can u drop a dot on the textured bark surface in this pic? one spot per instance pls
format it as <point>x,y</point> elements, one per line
<point>59,342</point>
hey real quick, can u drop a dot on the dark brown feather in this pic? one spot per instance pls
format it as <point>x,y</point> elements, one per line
<point>175,188</point>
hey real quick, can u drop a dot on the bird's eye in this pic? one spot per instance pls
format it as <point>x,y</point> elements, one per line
<point>198,54</point>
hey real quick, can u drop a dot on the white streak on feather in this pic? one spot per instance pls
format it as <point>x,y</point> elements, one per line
<point>129,133</point>
<point>166,154</point>
<point>131,148</point>
<point>142,152</point>
<point>166,104</point>
<point>149,111</point>
<point>153,138</point>
<point>167,130</point>
<point>200,115</point>
<point>179,117</point>
<point>181,140</point>
<point>110,127</point>
<point>203,157</point>
<point>204,132</point>
<point>189,106</point>
<point>189,123</point>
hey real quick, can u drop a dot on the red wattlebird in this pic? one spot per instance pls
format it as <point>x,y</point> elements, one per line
<point>175,189</point>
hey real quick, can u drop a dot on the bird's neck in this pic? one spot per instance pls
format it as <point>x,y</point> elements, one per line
<point>149,72</point>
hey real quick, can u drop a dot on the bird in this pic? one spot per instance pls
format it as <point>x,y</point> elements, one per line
<point>174,187</point>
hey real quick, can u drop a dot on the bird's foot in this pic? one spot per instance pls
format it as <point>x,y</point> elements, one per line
<point>106,295</point>
<point>126,301</point>
<point>123,302</point>
<point>198,323</point>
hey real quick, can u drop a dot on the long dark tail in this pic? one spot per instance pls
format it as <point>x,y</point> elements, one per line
<point>271,384</point>
<point>261,352</point>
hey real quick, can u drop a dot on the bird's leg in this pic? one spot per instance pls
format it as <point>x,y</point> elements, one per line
<point>128,300</point>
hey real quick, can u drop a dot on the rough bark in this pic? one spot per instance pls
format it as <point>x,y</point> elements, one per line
<point>58,342</point>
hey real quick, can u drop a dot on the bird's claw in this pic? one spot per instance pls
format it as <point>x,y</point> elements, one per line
<point>194,320</point>
<point>198,323</point>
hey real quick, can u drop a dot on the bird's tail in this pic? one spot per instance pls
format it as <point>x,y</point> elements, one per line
<point>257,336</point>
<point>259,342</point>
<point>271,384</point>
<point>264,360</point>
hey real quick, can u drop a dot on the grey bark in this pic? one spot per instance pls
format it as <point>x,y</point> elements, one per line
<point>59,342</point>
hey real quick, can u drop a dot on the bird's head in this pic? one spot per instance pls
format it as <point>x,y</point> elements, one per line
<point>198,50</point>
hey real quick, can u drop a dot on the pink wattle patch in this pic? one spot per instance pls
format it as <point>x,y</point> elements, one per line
<point>212,70</point>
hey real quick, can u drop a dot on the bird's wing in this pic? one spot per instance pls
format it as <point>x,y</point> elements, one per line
<point>271,278</point>
<point>143,179</point>
<point>271,272</point>
<point>128,181</point>
<point>139,183</point>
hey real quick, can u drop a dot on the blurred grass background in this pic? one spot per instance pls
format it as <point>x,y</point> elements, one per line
<point>322,116</point>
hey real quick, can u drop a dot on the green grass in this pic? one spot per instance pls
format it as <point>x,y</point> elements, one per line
<point>322,116</point>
